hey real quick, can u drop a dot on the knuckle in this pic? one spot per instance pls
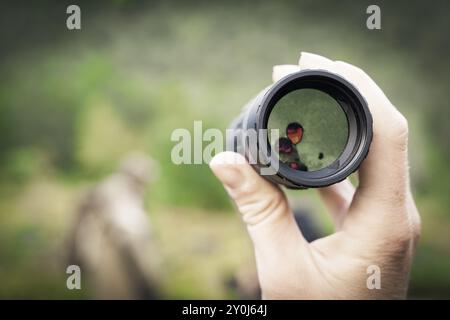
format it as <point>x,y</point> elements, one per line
<point>397,244</point>
<point>403,236</point>
<point>406,234</point>
<point>247,189</point>
<point>399,131</point>
<point>396,236</point>
<point>402,124</point>
<point>416,229</point>
<point>256,203</point>
<point>267,204</point>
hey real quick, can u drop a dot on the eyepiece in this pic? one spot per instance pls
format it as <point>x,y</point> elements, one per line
<point>310,129</point>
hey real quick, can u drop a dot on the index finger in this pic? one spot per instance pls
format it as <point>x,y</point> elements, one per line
<point>383,175</point>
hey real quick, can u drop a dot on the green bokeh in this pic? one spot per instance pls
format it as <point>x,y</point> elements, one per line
<point>73,103</point>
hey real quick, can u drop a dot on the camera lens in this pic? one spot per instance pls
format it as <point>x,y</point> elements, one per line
<point>322,126</point>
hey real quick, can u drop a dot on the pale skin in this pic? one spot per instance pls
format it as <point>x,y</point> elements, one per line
<point>376,223</point>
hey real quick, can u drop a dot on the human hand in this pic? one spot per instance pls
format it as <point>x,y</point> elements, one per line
<point>375,224</point>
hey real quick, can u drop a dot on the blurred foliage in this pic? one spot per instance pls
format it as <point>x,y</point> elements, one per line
<point>72,103</point>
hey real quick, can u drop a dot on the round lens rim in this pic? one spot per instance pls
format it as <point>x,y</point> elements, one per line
<point>359,122</point>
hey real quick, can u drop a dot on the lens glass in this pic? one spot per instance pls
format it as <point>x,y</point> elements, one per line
<point>313,129</point>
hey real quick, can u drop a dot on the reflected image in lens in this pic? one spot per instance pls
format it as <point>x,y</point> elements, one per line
<point>313,129</point>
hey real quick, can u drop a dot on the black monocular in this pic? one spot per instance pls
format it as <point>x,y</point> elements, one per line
<point>312,128</point>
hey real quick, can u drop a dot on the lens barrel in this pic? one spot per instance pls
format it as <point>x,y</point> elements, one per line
<point>258,151</point>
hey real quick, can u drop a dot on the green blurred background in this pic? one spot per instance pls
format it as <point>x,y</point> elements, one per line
<point>73,103</point>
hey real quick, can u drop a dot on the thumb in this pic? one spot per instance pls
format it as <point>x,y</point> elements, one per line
<point>263,205</point>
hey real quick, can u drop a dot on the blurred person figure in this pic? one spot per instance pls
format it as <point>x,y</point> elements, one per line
<point>112,238</point>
